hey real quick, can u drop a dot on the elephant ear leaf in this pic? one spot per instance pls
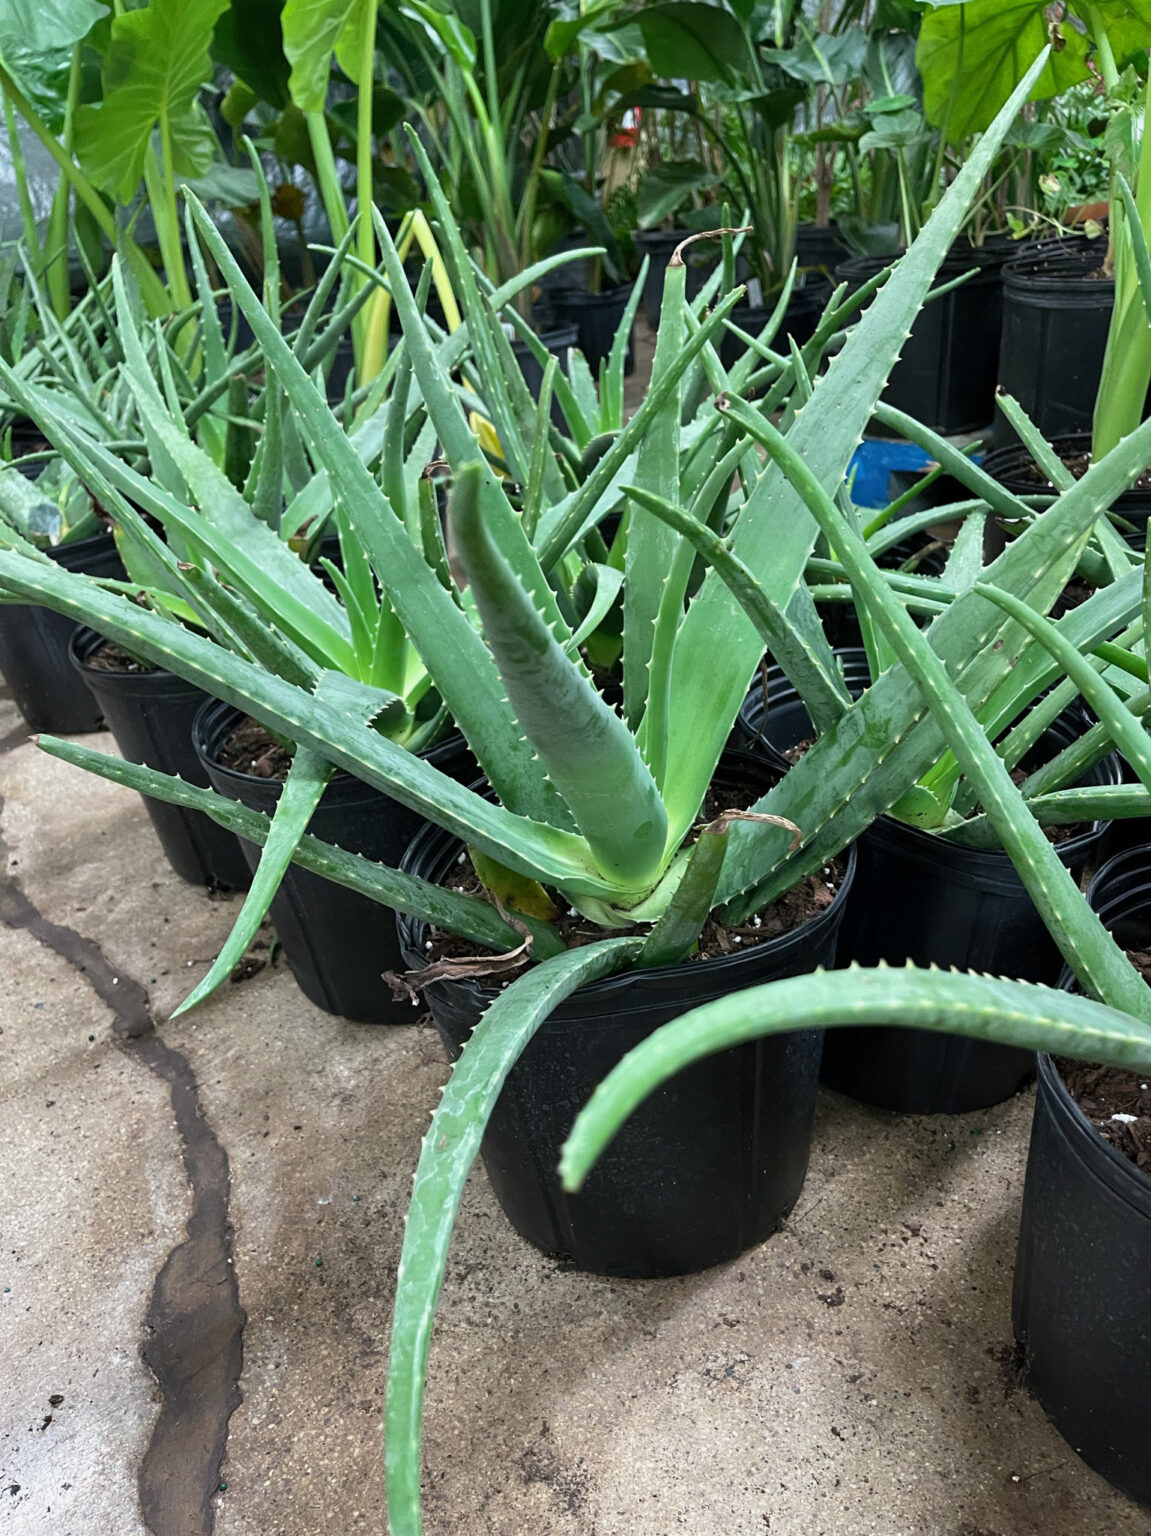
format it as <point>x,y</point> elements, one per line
<point>36,43</point>
<point>972,56</point>
<point>156,63</point>
<point>313,31</point>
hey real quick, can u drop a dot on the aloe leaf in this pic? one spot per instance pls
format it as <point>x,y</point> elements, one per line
<point>965,562</point>
<point>544,852</point>
<point>1087,946</point>
<point>651,544</point>
<point>822,689</point>
<point>541,450</point>
<point>252,553</point>
<point>887,739</point>
<point>954,462</point>
<point>588,752</point>
<point>448,1152</point>
<point>467,916</point>
<point>453,653</point>
<point>1127,732</point>
<point>248,632</point>
<point>565,523</point>
<point>307,779</point>
<point>456,436</point>
<point>717,649</point>
<point>676,934</point>
<point>612,387</point>
<point>1062,808</point>
<point>502,379</point>
<point>1015,1013</point>
<point>608,582</point>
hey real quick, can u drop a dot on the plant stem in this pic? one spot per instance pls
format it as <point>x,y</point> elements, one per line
<point>327,178</point>
<point>167,218</point>
<point>56,275</point>
<point>365,235</point>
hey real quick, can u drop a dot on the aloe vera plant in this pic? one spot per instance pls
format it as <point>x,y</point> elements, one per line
<point>593,804</point>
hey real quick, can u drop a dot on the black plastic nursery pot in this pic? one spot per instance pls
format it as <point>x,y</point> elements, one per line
<point>556,338</point>
<point>708,1166</point>
<point>820,247</point>
<point>336,941</point>
<point>34,642</point>
<point>150,714</point>
<point>947,370</point>
<point>923,898</point>
<point>596,317</point>
<point>803,312</point>
<point>1056,314</point>
<point>1082,1302</point>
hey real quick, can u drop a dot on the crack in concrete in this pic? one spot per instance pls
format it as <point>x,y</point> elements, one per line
<point>194,1328</point>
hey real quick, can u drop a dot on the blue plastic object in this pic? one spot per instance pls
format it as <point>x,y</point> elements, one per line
<point>875,461</point>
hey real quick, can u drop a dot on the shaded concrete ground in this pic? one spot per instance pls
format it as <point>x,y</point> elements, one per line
<point>854,1375</point>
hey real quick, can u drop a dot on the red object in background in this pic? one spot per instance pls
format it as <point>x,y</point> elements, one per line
<point>627,136</point>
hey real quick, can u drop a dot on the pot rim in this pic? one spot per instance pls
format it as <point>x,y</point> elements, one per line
<point>1116,1172</point>
<point>205,731</point>
<point>1095,1146</point>
<point>411,934</point>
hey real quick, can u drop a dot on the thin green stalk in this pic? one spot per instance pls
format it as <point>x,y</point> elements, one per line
<point>56,276</point>
<point>365,235</point>
<point>327,177</point>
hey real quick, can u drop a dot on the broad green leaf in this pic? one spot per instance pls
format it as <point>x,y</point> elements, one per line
<point>980,49</point>
<point>156,63</point>
<point>36,42</point>
<point>687,41</point>
<point>665,187</point>
<point>249,40</point>
<point>313,30</point>
<point>457,39</point>
<point>983,1007</point>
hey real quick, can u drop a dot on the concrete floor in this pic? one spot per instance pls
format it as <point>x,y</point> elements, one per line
<point>250,1164</point>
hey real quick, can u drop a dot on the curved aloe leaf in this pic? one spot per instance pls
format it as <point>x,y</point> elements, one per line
<point>448,1152</point>
<point>468,916</point>
<point>1015,1013</point>
<point>588,752</point>
<point>651,544</point>
<point>307,779</point>
<point>822,690</point>
<point>676,934</point>
<point>1087,946</point>
<point>888,739</point>
<point>541,851</point>
<point>1127,732</point>
<point>1062,808</point>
